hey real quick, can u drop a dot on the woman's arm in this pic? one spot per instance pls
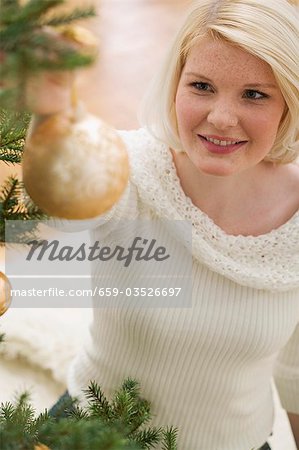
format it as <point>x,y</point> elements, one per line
<point>294,422</point>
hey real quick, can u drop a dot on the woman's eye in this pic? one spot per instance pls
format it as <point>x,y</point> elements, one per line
<point>201,86</point>
<point>255,95</point>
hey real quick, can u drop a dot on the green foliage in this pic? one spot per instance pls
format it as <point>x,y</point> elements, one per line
<point>170,437</point>
<point>13,128</point>
<point>14,202</point>
<point>16,205</point>
<point>115,425</point>
<point>84,434</point>
<point>19,423</point>
<point>27,45</point>
<point>127,410</point>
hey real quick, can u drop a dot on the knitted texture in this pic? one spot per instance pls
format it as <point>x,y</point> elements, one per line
<point>206,369</point>
<point>269,261</point>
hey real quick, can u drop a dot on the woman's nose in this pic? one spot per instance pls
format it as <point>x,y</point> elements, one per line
<point>223,115</point>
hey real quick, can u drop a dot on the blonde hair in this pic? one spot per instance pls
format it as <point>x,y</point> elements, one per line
<point>268,29</point>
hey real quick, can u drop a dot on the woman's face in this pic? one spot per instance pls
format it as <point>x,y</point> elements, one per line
<point>228,108</point>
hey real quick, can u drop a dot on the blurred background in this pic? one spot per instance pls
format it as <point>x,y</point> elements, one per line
<point>133,36</point>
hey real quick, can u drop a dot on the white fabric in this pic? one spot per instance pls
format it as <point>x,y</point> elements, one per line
<point>206,369</point>
<point>47,338</point>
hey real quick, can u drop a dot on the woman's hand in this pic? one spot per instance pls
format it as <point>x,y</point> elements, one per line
<point>53,91</point>
<point>50,92</point>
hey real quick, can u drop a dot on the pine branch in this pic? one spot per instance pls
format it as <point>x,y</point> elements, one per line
<point>20,430</point>
<point>13,3</point>
<point>6,412</point>
<point>131,386</point>
<point>17,425</point>
<point>98,403</point>
<point>17,417</point>
<point>15,205</point>
<point>9,196</point>
<point>38,423</point>
<point>14,202</point>
<point>124,407</point>
<point>147,438</point>
<point>13,128</point>
<point>22,399</point>
<point>11,155</point>
<point>88,435</point>
<point>65,19</point>
<point>65,58</point>
<point>8,7</point>
<point>27,45</point>
<point>78,413</point>
<point>18,24</point>
<point>170,438</point>
<point>34,9</point>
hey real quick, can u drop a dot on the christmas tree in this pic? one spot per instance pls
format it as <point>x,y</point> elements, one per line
<point>28,45</point>
<point>118,424</point>
<point>14,203</point>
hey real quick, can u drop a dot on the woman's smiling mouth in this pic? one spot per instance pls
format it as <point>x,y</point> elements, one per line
<point>221,145</point>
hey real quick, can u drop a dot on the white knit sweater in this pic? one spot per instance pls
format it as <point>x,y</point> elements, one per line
<point>206,369</point>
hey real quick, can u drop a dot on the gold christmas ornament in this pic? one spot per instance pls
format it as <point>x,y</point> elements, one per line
<point>74,165</point>
<point>41,447</point>
<point>79,35</point>
<point>5,293</point>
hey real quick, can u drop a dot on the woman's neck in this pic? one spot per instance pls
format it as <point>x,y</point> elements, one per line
<point>251,202</point>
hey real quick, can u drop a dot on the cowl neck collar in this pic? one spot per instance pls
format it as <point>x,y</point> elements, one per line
<point>268,261</point>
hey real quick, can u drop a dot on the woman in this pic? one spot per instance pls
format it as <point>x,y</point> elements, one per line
<point>218,150</point>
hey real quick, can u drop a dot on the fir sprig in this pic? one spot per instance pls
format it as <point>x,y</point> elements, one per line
<point>35,13</point>
<point>64,19</point>
<point>98,403</point>
<point>127,407</point>
<point>18,418</point>
<point>14,202</point>
<point>170,439</point>
<point>16,205</point>
<point>148,438</point>
<point>13,128</point>
<point>27,45</point>
<point>82,429</point>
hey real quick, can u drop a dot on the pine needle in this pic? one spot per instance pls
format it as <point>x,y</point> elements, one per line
<point>147,438</point>
<point>98,403</point>
<point>15,205</point>
<point>170,439</point>
<point>76,14</point>
<point>24,42</point>
<point>20,430</point>
<point>13,128</point>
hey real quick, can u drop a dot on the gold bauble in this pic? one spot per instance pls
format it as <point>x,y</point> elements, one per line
<point>79,35</point>
<point>5,293</point>
<point>41,447</point>
<point>74,165</point>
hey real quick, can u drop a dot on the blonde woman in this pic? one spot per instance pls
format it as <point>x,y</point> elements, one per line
<point>217,149</point>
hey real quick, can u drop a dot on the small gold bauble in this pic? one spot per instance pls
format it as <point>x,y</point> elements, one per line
<point>5,293</point>
<point>74,165</point>
<point>41,447</point>
<point>79,35</point>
